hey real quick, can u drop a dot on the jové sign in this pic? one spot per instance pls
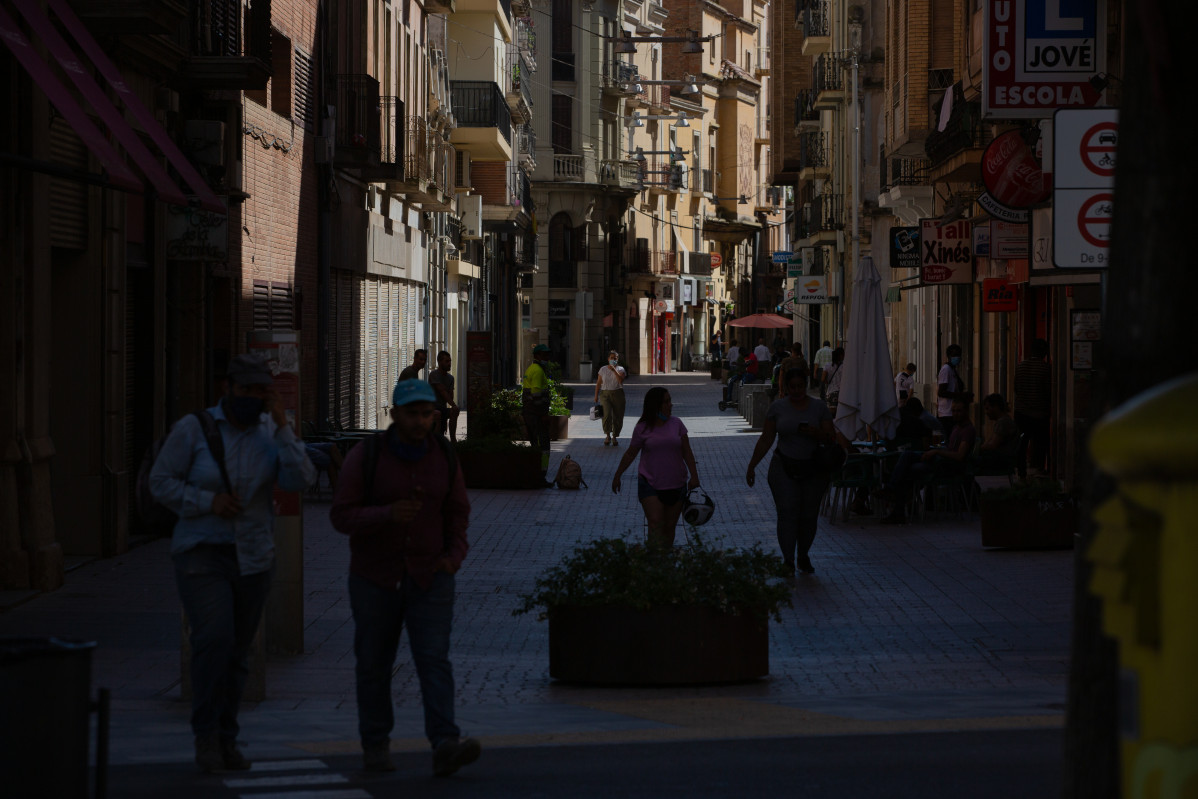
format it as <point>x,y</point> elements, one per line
<point>947,254</point>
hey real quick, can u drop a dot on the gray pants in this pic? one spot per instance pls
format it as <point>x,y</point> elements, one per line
<point>797,502</point>
<point>613,411</point>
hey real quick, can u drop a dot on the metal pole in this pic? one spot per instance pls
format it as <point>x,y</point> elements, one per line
<point>856,173</point>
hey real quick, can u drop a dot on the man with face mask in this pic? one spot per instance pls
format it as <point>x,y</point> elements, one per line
<point>950,387</point>
<point>609,391</point>
<point>223,542</point>
<point>402,501</point>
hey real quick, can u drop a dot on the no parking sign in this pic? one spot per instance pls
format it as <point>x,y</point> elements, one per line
<point>1084,146</point>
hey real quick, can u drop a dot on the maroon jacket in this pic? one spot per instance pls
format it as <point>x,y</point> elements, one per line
<point>384,551</point>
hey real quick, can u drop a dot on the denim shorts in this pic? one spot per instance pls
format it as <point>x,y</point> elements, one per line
<point>668,497</point>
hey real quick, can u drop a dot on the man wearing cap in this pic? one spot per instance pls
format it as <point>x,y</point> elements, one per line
<point>406,516</point>
<point>535,405</point>
<point>223,542</point>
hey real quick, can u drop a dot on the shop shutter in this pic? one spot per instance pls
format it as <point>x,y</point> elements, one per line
<point>68,198</point>
<point>367,411</point>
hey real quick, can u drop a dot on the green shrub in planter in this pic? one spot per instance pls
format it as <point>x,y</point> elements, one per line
<point>622,614</point>
<point>1028,515</point>
<point>621,573</point>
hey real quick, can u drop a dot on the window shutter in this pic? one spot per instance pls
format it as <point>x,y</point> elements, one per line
<point>68,198</point>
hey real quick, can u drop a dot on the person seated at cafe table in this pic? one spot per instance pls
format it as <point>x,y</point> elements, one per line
<point>915,427</point>
<point>914,466</point>
<point>1000,447</point>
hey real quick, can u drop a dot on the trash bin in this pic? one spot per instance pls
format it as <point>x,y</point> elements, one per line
<point>45,689</point>
<point>584,371</point>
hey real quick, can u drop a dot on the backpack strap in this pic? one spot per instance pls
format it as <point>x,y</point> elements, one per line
<point>216,444</point>
<point>370,462</point>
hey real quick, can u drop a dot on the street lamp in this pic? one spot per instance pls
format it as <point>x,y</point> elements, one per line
<point>637,120</point>
<point>691,42</point>
<point>675,154</point>
<point>689,84</point>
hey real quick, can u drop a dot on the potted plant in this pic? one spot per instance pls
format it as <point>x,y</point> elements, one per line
<point>1027,515</point>
<point>496,461</point>
<point>620,612</point>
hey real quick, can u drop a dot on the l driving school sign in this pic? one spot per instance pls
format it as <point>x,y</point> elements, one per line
<point>1040,56</point>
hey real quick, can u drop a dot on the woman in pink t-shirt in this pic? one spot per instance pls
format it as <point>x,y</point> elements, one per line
<point>666,458</point>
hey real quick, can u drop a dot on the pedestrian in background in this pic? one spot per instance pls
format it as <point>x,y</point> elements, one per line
<point>1033,406</point>
<point>223,543</point>
<point>822,359</point>
<point>442,382</point>
<point>793,361</point>
<point>904,384</point>
<point>406,515</point>
<point>660,438</point>
<point>534,406</point>
<point>833,375</point>
<point>609,392</point>
<point>412,370</point>
<point>762,351</point>
<point>950,387</point>
<point>799,423</point>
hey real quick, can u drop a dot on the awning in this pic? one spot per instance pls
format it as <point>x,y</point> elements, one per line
<point>165,187</point>
<point>118,173</point>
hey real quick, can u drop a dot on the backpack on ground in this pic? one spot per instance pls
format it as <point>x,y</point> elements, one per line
<point>569,475</point>
<point>158,518</point>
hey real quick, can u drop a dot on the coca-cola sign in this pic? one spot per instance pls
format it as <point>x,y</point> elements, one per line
<point>1012,174</point>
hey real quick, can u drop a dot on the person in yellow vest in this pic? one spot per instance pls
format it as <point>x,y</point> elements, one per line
<point>535,405</point>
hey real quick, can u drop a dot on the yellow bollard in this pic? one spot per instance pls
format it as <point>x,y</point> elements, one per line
<point>1145,558</point>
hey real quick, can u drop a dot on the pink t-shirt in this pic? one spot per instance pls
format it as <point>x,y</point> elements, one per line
<point>661,454</point>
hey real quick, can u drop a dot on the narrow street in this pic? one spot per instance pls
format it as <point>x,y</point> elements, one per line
<point>913,663</point>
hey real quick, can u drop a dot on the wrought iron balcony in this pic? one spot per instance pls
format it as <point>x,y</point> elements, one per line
<point>480,104</point>
<point>827,79</point>
<point>806,114</point>
<point>358,121</point>
<point>963,132</point>
<point>230,50</point>
<point>903,171</point>
<point>815,20</point>
<point>814,153</point>
<point>664,262</point>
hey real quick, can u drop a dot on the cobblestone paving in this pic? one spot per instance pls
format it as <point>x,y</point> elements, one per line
<point>908,625</point>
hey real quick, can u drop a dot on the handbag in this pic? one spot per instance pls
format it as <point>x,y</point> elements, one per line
<point>797,468</point>
<point>596,412</point>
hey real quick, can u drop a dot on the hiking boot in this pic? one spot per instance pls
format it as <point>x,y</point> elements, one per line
<point>234,760</point>
<point>377,758</point>
<point>453,753</point>
<point>209,757</point>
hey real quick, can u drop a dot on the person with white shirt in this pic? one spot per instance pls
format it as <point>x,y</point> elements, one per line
<point>904,383</point>
<point>762,351</point>
<point>609,392</point>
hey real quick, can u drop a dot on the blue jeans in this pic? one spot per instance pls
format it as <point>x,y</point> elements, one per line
<point>224,609</point>
<point>797,502</point>
<point>379,616</point>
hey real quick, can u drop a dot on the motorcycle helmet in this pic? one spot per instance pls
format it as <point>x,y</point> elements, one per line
<point>697,507</point>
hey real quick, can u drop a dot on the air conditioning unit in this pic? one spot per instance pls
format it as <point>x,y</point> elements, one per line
<point>472,216</point>
<point>461,173</point>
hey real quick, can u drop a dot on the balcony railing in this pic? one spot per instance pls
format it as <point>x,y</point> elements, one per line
<point>526,40</point>
<point>898,171</point>
<point>963,132</point>
<point>567,167</point>
<point>418,147</point>
<point>445,157</point>
<point>480,104</point>
<point>527,144</point>
<point>619,173</point>
<point>815,19</point>
<point>826,75</point>
<point>708,180</point>
<point>522,76</point>
<point>828,211</point>
<point>813,150</point>
<point>805,110</point>
<point>358,128</point>
<point>664,263</point>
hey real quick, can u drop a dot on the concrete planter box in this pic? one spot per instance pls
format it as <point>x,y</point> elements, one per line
<point>669,645</point>
<point>559,428</point>
<point>519,467</point>
<point>1026,523</point>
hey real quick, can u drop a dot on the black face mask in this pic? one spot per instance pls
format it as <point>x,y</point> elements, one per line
<point>244,411</point>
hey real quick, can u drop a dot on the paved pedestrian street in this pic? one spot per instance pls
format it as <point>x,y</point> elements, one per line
<point>901,630</point>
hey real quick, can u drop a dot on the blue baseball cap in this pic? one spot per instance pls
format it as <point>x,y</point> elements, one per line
<point>408,391</point>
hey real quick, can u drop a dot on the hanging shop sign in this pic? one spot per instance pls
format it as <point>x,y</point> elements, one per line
<point>1008,239</point>
<point>811,290</point>
<point>947,252</point>
<point>1012,175</point>
<point>1039,55</point>
<point>998,296</point>
<point>904,248</point>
